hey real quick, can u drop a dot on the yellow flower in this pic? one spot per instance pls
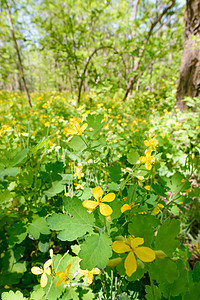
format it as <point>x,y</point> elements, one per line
<point>45,271</point>
<point>152,143</point>
<point>89,274</point>
<point>130,245</point>
<point>77,129</point>
<point>78,186</point>
<point>157,208</point>
<point>105,209</point>
<point>126,207</point>
<point>147,159</point>
<point>79,172</point>
<point>147,187</point>
<point>64,276</point>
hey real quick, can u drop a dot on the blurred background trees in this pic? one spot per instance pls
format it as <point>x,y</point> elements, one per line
<point>56,38</point>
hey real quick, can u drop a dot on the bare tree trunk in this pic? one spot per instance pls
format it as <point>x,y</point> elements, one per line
<point>18,54</point>
<point>134,16</point>
<point>142,49</point>
<point>189,77</point>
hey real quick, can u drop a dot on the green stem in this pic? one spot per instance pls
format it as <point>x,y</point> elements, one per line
<point>152,288</point>
<point>111,285</point>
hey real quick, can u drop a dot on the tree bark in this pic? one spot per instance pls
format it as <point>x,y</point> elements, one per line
<point>18,54</point>
<point>189,77</point>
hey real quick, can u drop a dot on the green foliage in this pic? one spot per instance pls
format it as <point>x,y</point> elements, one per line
<point>95,251</point>
<point>13,296</point>
<point>42,189</point>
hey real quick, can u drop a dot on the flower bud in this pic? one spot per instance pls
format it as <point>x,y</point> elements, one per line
<point>160,254</point>
<point>114,262</point>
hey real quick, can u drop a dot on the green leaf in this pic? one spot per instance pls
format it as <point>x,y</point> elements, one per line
<point>13,296</point>
<point>95,251</point>
<point>67,178</point>
<point>19,157</point>
<point>19,267</point>
<point>153,292</point>
<point>72,226</point>
<point>37,227</point>
<point>113,186</point>
<point>17,233</point>
<point>77,143</point>
<point>115,172</point>
<point>37,294</point>
<point>71,294</point>
<point>95,122</point>
<point>175,185</point>
<point>9,172</point>
<point>116,207</point>
<point>57,187</point>
<point>196,272</point>
<point>164,239</point>
<point>143,226</point>
<point>193,293</point>
<point>88,296</point>
<point>39,145</point>
<point>179,285</point>
<point>158,189</point>
<point>133,157</point>
<point>170,274</point>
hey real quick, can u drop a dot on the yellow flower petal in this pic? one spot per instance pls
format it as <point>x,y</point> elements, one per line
<point>136,242</point>
<point>89,204</point>
<point>70,131</point>
<point>147,143</point>
<point>145,254</point>
<point>36,271</point>
<point>130,264</point>
<point>48,271</point>
<point>58,282</point>
<point>47,264</point>
<point>120,247</point>
<point>67,268</point>
<point>89,277</point>
<point>43,280</point>
<point>96,271</point>
<point>125,207</point>
<point>76,125</point>
<point>84,126</point>
<point>109,197</point>
<point>142,159</point>
<point>59,274</point>
<point>97,192</point>
<point>148,165</point>
<point>105,209</point>
<point>156,210</point>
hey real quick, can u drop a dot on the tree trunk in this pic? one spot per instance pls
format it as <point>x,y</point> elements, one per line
<point>189,77</point>
<point>18,54</point>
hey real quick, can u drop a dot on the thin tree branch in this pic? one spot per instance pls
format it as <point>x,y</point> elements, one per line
<point>142,49</point>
